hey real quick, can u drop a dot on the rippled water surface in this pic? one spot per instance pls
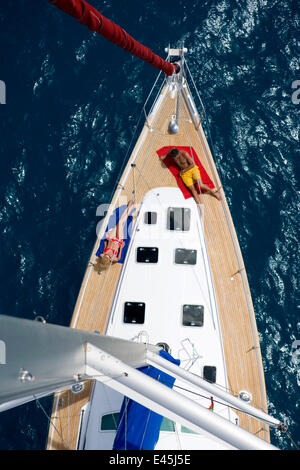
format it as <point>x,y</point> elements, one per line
<point>72,101</point>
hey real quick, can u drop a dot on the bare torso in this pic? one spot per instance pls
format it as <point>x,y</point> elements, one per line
<point>184,161</point>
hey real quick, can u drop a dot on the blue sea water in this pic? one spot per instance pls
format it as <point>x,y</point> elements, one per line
<point>72,101</point>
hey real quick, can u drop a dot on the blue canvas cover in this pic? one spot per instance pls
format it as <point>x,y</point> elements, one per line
<point>112,222</point>
<point>138,427</point>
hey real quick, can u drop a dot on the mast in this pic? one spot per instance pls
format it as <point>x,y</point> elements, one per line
<point>175,406</point>
<point>237,403</point>
<point>88,15</point>
<point>41,358</point>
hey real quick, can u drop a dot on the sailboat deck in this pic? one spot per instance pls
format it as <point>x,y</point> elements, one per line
<point>237,319</point>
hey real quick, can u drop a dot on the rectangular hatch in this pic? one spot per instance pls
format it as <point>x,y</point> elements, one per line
<point>134,312</point>
<point>179,219</point>
<point>183,256</point>
<point>147,254</point>
<point>193,315</point>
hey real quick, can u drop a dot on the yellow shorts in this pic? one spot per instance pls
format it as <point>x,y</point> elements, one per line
<point>190,177</point>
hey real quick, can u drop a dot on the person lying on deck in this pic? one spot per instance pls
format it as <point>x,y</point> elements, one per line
<point>190,174</point>
<point>114,242</point>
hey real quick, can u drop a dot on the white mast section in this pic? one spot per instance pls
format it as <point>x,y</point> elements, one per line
<point>165,401</point>
<point>166,366</point>
<point>40,358</point>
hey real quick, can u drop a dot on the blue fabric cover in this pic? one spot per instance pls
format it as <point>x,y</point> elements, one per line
<point>127,227</point>
<point>139,429</point>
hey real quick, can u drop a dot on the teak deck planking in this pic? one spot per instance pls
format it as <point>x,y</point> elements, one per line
<point>238,324</point>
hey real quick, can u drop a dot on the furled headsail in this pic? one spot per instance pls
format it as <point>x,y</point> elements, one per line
<point>88,15</point>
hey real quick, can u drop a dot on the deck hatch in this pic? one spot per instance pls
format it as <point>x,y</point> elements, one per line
<point>147,254</point>
<point>183,256</point>
<point>150,218</point>
<point>210,373</point>
<point>179,219</point>
<point>193,315</point>
<point>134,312</point>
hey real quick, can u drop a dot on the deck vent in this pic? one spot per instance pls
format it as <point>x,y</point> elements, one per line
<point>179,219</point>
<point>77,388</point>
<point>193,315</point>
<point>150,218</point>
<point>245,396</point>
<point>210,373</point>
<point>183,256</point>
<point>147,254</point>
<point>134,312</point>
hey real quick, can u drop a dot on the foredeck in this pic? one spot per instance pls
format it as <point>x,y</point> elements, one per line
<point>240,338</point>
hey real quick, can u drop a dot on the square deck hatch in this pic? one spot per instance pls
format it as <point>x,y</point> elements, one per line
<point>147,254</point>
<point>134,312</point>
<point>150,218</point>
<point>193,315</point>
<point>210,373</point>
<point>179,219</point>
<point>183,256</point>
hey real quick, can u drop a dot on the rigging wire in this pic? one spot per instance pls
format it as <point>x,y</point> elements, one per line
<point>69,422</point>
<point>230,319</point>
<point>242,368</point>
<point>99,296</point>
<point>170,385</point>
<point>142,176</point>
<point>204,112</point>
<point>292,441</point>
<point>106,382</point>
<point>136,126</point>
<point>39,405</point>
<point>219,402</point>
<point>135,189</point>
<point>144,179</point>
<point>236,249</point>
<point>122,169</point>
<point>120,172</point>
<point>136,186</point>
<point>199,187</point>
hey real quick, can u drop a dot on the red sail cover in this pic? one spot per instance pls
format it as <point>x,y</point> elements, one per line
<point>88,15</point>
